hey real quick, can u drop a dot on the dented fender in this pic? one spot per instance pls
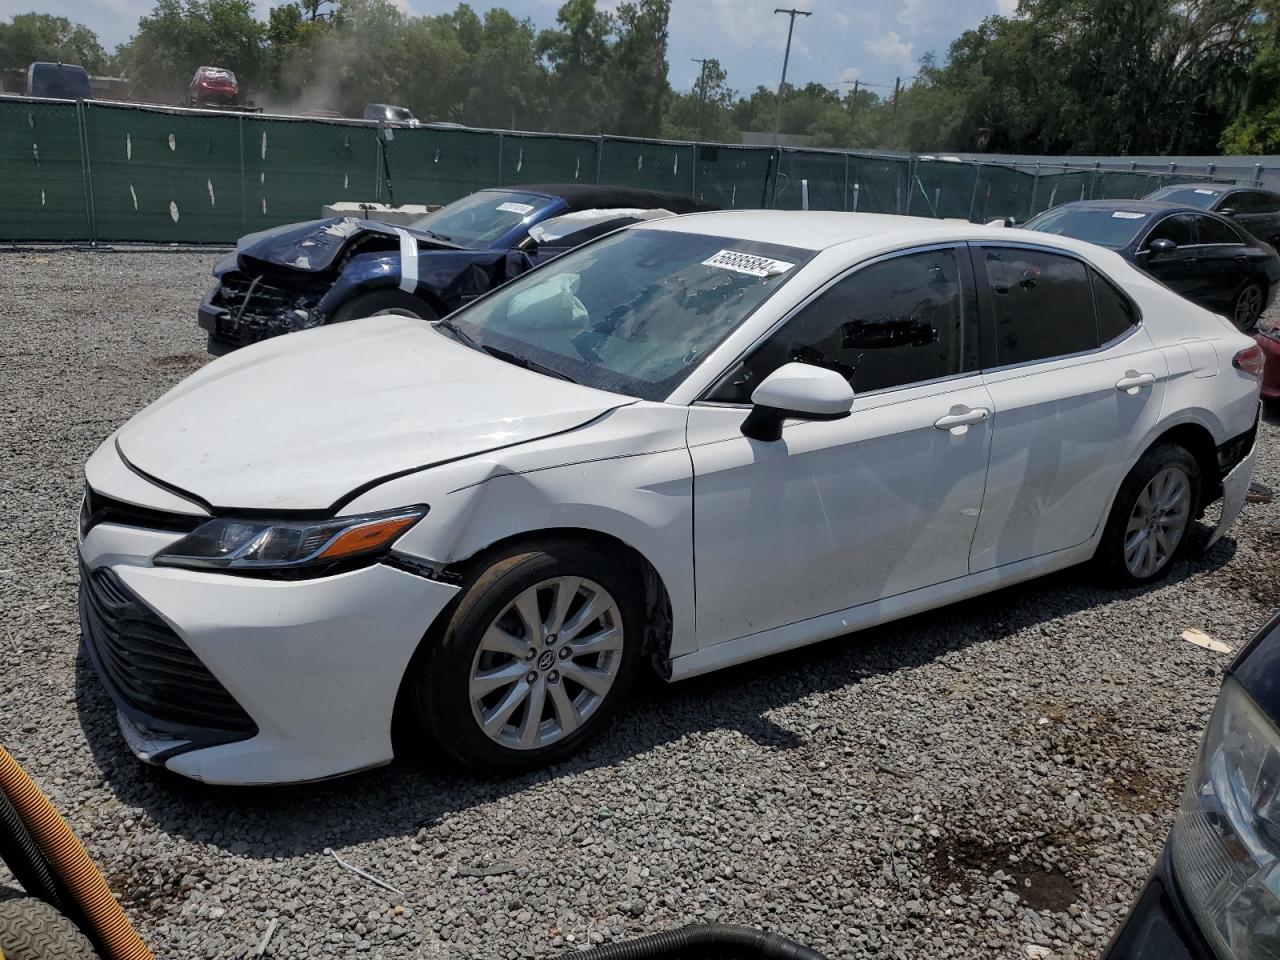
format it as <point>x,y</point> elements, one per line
<point>590,479</point>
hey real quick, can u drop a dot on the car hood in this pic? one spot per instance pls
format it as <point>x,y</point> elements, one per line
<point>315,245</point>
<point>300,422</point>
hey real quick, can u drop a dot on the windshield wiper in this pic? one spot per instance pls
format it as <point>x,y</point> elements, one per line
<point>460,334</point>
<point>438,236</point>
<point>524,362</point>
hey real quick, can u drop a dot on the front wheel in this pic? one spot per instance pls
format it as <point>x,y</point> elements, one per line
<point>1248,307</point>
<point>1151,517</point>
<point>31,929</point>
<point>537,655</point>
<point>378,303</point>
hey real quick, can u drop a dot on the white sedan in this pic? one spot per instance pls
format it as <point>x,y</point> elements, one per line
<point>685,445</point>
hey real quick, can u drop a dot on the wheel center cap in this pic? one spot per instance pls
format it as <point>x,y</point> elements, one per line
<point>547,660</point>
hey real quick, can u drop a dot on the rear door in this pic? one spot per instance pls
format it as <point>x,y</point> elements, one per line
<point>1224,262</point>
<point>1075,384</point>
<point>1257,212</point>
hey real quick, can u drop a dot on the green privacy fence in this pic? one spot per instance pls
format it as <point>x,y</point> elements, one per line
<point>110,172</point>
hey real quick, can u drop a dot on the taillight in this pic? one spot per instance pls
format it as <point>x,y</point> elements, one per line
<point>1250,360</point>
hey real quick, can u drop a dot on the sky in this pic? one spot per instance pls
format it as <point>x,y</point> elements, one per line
<point>872,41</point>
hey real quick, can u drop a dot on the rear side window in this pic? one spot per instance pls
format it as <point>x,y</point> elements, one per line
<point>1116,313</point>
<point>893,323</point>
<point>1041,304</point>
<point>1215,231</point>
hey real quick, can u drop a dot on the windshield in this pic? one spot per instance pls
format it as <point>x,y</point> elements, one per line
<point>1202,197</point>
<point>480,219</point>
<point>1105,226</point>
<point>633,313</point>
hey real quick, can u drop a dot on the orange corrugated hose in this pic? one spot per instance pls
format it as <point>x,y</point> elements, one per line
<point>111,929</point>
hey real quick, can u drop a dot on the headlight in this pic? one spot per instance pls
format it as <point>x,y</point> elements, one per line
<point>1226,840</point>
<point>228,543</point>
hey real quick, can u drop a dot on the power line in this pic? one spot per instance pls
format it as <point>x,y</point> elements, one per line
<point>792,12</point>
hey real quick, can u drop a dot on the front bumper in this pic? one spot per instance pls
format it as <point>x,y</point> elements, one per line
<point>238,311</point>
<point>1159,925</point>
<point>315,665</point>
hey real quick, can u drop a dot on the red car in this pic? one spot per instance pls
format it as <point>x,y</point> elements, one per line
<point>1268,337</point>
<point>213,85</point>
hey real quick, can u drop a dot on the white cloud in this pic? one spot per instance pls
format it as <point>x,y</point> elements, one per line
<point>893,48</point>
<point>1006,8</point>
<point>850,74</point>
<point>842,20</point>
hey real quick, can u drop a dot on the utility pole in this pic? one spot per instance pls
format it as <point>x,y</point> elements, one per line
<point>893,119</point>
<point>702,94</point>
<point>792,13</point>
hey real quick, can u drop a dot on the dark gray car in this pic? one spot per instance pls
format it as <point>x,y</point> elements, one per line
<point>1203,256</point>
<point>1258,211</point>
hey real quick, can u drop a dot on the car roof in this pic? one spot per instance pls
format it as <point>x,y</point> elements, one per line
<point>819,230</point>
<point>590,196</point>
<point>1215,187</point>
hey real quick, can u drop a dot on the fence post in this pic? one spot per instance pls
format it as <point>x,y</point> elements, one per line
<point>86,174</point>
<point>844,194</point>
<point>499,158</point>
<point>694,191</point>
<point>973,195</point>
<point>1257,174</point>
<point>244,221</point>
<point>599,155</point>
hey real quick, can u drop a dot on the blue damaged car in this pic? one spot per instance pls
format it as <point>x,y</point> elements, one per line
<point>303,275</point>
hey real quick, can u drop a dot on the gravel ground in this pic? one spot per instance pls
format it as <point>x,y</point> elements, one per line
<point>965,783</point>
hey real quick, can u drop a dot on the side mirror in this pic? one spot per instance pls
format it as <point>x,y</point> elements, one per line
<point>800,391</point>
<point>1161,247</point>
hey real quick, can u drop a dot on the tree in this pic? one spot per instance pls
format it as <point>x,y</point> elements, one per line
<point>1256,130</point>
<point>704,113</point>
<point>32,37</point>
<point>177,37</point>
<point>578,55</point>
<point>638,68</point>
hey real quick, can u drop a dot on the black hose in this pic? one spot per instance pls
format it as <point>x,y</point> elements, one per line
<point>24,859</point>
<point>720,941</point>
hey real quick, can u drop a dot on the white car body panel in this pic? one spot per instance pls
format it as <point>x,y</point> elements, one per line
<point>847,511</point>
<point>839,525</point>
<point>302,422</point>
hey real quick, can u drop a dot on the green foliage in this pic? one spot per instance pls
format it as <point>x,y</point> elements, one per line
<point>32,37</point>
<point>177,37</point>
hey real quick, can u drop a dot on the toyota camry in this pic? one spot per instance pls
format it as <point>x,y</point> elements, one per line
<point>687,444</point>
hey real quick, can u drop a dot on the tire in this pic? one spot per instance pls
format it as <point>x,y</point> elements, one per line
<point>382,302</point>
<point>1129,557</point>
<point>451,696</point>
<point>1247,307</point>
<point>31,929</point>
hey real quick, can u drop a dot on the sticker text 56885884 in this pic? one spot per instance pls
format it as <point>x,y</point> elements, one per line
<point>747,263</point>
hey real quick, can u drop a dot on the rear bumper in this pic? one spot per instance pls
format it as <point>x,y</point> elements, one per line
<point>1159,925</point>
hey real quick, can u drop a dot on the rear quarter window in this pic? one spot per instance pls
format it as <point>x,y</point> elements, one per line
<point>1117,314</point>
<point>1041,304</point>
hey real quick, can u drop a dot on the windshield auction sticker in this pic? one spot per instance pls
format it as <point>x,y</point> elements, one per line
<point>747,263</point>
<point>1127,215</point>
<point>520,208</point>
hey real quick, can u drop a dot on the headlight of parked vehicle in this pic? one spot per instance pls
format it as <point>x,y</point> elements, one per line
<point>228,543</point>
<point>1226,839</point>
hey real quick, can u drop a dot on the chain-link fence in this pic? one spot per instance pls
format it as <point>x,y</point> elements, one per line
<point>97,171</point>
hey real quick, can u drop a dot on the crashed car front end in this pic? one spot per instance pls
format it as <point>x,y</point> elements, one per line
<point>244,306</point>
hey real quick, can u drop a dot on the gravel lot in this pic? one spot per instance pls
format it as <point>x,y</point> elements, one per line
<point>961,784</point>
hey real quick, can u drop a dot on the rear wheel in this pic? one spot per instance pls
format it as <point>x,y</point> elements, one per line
<point>1151,517</point>
<point>381,303</point>
<point>1248,307</point>
<point>31,929</point>
<point>537,655</point>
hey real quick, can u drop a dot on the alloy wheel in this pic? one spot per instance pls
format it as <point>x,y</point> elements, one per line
<point>1248,308</point>
<point>546,663</point>
<point>1158,522</point>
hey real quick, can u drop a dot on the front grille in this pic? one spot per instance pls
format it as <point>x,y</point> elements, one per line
<point>98,509</point>
<point>151,674</point>
<point>254,308</point>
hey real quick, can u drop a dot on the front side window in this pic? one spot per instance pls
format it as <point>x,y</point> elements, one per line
<point>1209,230</point>
<point>1180,229</point>
<point>634,312</point>
<point>893,323</point>
<point>1041,304</point>
<point>480,219</point>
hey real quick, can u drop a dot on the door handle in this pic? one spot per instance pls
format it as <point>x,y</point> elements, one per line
<point>1133,381</point>
<point>960,419</point>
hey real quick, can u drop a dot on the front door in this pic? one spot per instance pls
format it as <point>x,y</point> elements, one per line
<point>845,512</point>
